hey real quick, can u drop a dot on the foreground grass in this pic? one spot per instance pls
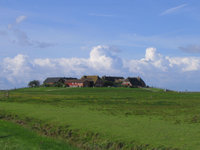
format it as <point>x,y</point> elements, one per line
<point>109,117</point>
<point>14,137</point>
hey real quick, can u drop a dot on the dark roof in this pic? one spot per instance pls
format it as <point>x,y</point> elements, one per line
<point>136,81</point>
<point>52,79</point>
<point>111,78</point>
<point>70,78</point>
<point>57,79</point>
<point>75,80</point>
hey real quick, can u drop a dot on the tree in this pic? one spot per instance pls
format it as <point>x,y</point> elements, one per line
<point>34,83</point>
<point>59,84</point>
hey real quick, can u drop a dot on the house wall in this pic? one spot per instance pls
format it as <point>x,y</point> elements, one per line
<point>99,83</point>
<point>75,84</point>
<point>125,83</point>
<point>51,83</point>
<point>87,84</point>
<point>119,80</point>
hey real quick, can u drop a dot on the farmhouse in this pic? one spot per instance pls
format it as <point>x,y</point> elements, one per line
<point>134,82</point>
<point>53,80</point>
<point>113,79</point>
<point>78,83</point>
<point>97,81</point>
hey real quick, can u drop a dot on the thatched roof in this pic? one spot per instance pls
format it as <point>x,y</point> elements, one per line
<point>91,78</point>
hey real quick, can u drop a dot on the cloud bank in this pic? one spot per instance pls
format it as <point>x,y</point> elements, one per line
<point>177,73</point>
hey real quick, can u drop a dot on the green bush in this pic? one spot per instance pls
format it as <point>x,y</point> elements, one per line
<point>34,83</point>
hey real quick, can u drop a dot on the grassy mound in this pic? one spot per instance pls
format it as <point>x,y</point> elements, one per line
<point>109,118</point>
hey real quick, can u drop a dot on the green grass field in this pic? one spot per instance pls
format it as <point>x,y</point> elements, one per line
<point>108,118</point>
<point>14,137</point>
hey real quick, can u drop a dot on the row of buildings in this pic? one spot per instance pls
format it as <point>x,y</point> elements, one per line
<point>95,81</point>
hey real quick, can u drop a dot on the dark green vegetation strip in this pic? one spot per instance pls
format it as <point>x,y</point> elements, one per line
<point>109,118</point>
<point>14,137</point>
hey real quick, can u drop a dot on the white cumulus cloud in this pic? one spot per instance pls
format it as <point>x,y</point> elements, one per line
<point>185,64</point>
<point>16,69</point>
<point>102,59</point>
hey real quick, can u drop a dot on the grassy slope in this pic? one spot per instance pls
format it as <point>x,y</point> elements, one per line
<point>13,136</point>
<point>132,116</point>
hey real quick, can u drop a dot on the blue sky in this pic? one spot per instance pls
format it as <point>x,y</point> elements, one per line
<point>157,40</point>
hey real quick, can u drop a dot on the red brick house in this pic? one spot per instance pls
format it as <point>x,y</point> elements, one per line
<point>78,83</point>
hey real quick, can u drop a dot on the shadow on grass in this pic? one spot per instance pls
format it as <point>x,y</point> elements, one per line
<point>5,136</point>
